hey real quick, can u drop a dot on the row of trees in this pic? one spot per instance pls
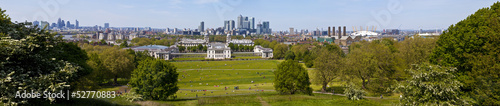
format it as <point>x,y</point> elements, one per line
<point>240,48</point>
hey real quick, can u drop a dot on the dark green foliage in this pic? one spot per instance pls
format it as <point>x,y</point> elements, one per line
<point>472,46</point>
<point>289,55</point>
<point>28,62</point>
<point>291,78</point>
<point>155,79</point>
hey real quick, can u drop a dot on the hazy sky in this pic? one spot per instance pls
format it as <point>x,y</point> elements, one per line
<point>282,14</point>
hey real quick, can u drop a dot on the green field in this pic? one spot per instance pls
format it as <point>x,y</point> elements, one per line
<point>204,82</point>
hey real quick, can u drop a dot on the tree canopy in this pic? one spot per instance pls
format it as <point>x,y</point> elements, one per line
<point>291,78</point>
<point>472,46</point>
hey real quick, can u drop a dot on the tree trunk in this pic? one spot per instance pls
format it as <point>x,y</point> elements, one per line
<point>115,80</point>
<point>323,89</point>
<point>364,83</point>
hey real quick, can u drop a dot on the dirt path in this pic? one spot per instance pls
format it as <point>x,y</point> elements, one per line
<point>264,103</point>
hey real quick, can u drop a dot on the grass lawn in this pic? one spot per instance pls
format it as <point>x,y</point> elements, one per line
<point>214,76</point>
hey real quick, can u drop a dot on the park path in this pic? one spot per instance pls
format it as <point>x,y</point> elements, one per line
<point>264,103</point>
<point>344,95</point>
<point>223,69</point>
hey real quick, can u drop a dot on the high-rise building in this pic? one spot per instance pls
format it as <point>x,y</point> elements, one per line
<point>259,29</point>
<point>265,27</point>
<point>35,23</point>
<point>201,27</point>
<point>252,23</point>
<point>68,25</point>
<point>59,23</point>
<point>44,23</point>
<point>106,25</point>
<point>292,31</point>
<point>77,24</point>
<point>226,25</point>
<point>62,24</point>
<point>240,22</point>
<point>231,25</point>
<point>54,25</point>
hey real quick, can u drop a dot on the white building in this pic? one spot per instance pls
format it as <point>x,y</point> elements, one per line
<point>244,42</point>
<point>157,51</point>
<point>218,51</point>
<point>264,52</point>
<point>193,42</point>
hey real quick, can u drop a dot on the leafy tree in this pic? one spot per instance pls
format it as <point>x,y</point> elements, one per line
<point>124,44</point>
<point>472,46</point>
<point>279,51</point>
<point>372,61</point>
<point>431,85</point>
<point>289,55</point>
<point>155,79</point>
<point>27,62</point>
<point>118,62</point>
<point>200,47</point>
<point>328,67</point>
<point>291,78</point>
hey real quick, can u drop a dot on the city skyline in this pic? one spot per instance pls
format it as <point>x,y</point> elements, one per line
<point>387,14</point>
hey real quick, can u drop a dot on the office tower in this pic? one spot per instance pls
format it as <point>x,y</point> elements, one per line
<point>106,25</point>
<point>59,23</point>
<point>43,24</point>
<point>226,25</point>
<point>252,23</point>
<point>201,27</point>
<point>77,24</point>
<point>231,24</point>
<point>240,22</point>
<point>265,27</point>
<point>292,31</point>
<point>35,23</point>
<point>54,25</point>
<point>63,24</point>
<point>68,25</point>
<point>259,28</point>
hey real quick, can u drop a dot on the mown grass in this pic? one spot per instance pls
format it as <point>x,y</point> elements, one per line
<point>213,76</point>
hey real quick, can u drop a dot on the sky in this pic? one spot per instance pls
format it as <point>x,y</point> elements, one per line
<point>282,14</point>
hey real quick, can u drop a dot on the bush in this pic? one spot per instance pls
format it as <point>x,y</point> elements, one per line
<point>353,92</point>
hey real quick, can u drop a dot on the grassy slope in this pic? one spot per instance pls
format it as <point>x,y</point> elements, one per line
<point>222,73</point>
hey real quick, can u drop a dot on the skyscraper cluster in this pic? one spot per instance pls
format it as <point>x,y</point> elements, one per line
<point>246,25</point>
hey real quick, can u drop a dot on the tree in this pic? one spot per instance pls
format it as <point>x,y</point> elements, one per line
<point>291,78</point>
<point>155,79</point>
<point>27,62</point>
<point>328,67</point>
<point>200,47</point>
<point>472,47</point>
<point>124,44</point>
<point>289,55</point>
<point>431,85</point>
<point>279,51</point>
<point>372,61</point>
<point>118,62</point>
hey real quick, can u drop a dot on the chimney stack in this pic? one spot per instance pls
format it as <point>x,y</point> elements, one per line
<point>344,32</point>
<point>340,31</point>
<point>329,32</point>
<point>333,30</point>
